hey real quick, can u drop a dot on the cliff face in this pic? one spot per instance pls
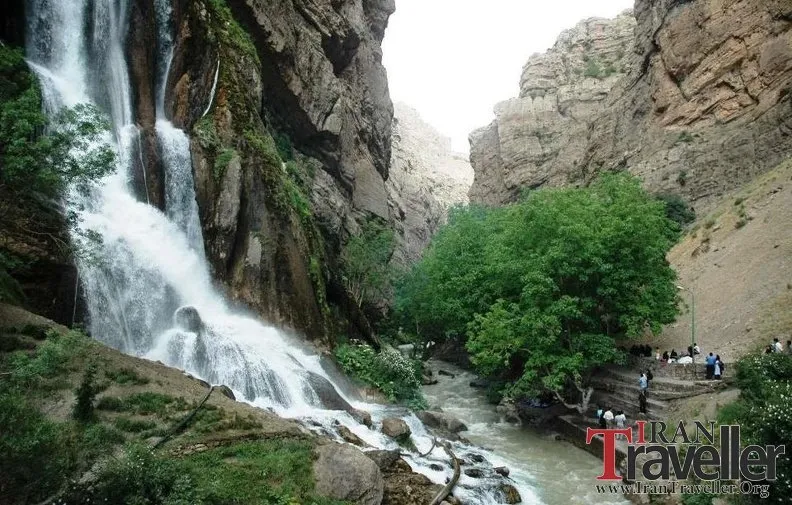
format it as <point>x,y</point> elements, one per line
<point>289,115</point>
<point>704,106</point>
<point>541,137</point>
<point>426,179</point>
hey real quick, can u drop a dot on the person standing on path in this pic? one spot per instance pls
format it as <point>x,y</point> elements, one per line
<point>642,402</point>
<point>608,417</point>
<point>710,366</point>
<point>643,383</point>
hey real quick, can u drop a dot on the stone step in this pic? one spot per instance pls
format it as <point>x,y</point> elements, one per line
<point>656,409</point>
<point>605,385</point>
<point>659,383</point>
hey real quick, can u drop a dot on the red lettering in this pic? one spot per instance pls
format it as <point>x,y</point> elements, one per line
<point>641,433</point>
<point>608,449</point>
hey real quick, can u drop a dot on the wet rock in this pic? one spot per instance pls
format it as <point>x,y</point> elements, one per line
<point>476,473</point>
<point>396,428</point>
<point>476,458</point>
<point>436,467</point>
<point>342,472</point>
<point>408,488</point>
<point>226,391</point>
<point>510,494</point>
<point>479,383</point>
<point>447,374</point>
<point>188,319</point>
<point>346,434</point>
<point>327,394</point>
<point>428,381</point>
<point>384,459</point>
<point>502,470</point>
<point>362,417</point>
<point>441,421</point>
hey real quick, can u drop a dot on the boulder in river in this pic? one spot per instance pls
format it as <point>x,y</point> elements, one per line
<point>476,473</point>
<point>441,421</point>
<point>502,470</point>
<point>327,394</point>
<point>346,434</point>
<point>510,494</point>
<point>384,459</point>
<point>447,374</point>
<point>188,319</point>
<point>344,473</point>
<point>396,428</point>
<point>362,417</point>
<point>479,383</point>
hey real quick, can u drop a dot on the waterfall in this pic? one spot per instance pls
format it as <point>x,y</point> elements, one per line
<point>148,288</point>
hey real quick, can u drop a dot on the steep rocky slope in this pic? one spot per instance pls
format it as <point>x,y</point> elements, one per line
<point>426,179</point>
<point>703,108</point>
<point>290,119</point>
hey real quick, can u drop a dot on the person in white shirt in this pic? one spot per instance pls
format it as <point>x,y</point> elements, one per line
<point>777,347</point>
<point>621,420</point>
<point>608,416</point>
<point>696,349</point>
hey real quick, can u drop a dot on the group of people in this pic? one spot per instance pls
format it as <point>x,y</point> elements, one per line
<point>776,347</point>
<point>675,357</point>
<point>607,419</point>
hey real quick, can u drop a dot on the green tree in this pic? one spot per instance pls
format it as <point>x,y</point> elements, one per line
<point>677,209</point>
<point>543,289</point>
<point>365,263</point>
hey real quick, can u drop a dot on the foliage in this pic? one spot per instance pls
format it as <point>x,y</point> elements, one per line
<point>763,412</point>
<point>230,32</point>
<point>39,155</point>
<point>284,146</point>
<point>221,163</point>
<point>126,377</point>
<point>697,499</point>
<point>677,209</point>
<point>50,360</point>
<point>365,263</point>
<point>85,394</point>
<point>35,458</point>
<point>398,377</point>
<point>269,472</point>
<point>682,177</point>
<point>685,137</point>
<point>10,290</point>
<point>543,289</point>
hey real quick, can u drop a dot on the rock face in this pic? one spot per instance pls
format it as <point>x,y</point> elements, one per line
<point>426,179</point>
<point>344,473</point>
<point>289,116</point>
<point>705,105</point>
<point>541,136</point>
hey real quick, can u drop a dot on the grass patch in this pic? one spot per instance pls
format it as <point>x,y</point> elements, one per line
<point>40,369</point>
<point>134,425</point>
<point>221,163</point>
<point>126,377</point>
<point>147,403</point>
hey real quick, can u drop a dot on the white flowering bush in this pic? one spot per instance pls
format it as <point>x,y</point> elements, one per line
<point>764,411</point>
<point>397,376</point>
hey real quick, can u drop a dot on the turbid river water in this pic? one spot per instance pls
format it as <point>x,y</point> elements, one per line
<point>558,472</point>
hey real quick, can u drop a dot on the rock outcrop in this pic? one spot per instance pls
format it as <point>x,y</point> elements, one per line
<point>541,137</point>
<point>705,105</point>
<point>289,115</point>
<point>426,179</point>
<point>344,473</point>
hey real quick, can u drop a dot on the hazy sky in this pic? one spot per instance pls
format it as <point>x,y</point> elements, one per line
<point>453,60</point>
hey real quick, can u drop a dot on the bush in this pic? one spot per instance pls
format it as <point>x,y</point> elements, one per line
<point>126,377</point>
<point>83,410</point>
<point>134,425</point>
<point>399,378</point>
<point>677,209</point>
<point>34,458</point>
<point>50,360</point>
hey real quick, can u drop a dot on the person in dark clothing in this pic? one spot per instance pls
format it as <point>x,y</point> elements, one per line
<point>649,377</point>
<point>690,350</point>
<point>674,354</point>
<point>642,402</point>
<point>665,356</point>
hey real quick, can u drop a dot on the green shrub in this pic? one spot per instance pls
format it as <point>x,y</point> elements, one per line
<point>677,209</point>
<point>222,161</point>
<point>34,459</point>
<point>126,377</point>
<point>697,499</point>
<point>111,403</point>
<point>50,360</point>
<point>99,439</point>
<point>153,403</point>
<point>685,137</point>
<point>399,378</point>
<point>85,394</point>
<point>682,177</point>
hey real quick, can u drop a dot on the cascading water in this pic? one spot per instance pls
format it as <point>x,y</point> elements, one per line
<point>148,289</point>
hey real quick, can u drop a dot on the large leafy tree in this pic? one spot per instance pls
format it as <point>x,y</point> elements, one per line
<point>542,290</point>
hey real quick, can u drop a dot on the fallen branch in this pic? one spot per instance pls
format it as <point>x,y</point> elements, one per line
<point>434,444</point>
<point>457,471</point>
<point>184,422</point>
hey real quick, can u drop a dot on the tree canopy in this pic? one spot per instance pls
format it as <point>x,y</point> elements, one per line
<point>541,291</point>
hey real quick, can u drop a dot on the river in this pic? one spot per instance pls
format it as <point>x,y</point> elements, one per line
<point>558,472</point>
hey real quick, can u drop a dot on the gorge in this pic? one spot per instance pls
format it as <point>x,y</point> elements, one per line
<point>255,139</point>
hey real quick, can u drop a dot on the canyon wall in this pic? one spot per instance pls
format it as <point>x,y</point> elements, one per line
<point>426,179</point>
<point>699,104</point>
